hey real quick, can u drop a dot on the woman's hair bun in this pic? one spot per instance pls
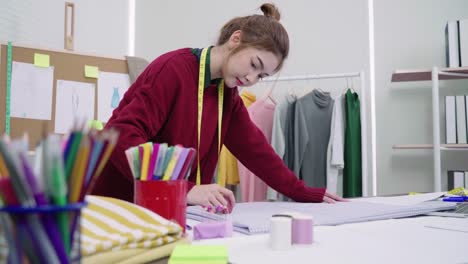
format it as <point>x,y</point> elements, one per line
<point>270,10</point>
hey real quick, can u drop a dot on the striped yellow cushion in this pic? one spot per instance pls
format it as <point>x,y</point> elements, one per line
<point>111,224</point>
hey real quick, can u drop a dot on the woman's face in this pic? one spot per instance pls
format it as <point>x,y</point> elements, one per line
<point>247,66</point>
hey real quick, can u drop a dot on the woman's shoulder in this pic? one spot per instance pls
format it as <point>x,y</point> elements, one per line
<point>181,61</point>
<point>177,57</point>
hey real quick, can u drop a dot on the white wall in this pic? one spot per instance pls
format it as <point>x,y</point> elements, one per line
<point>410,35</point>
<point>101,27</point>
<point>32,22</point>
<point>326,36</point>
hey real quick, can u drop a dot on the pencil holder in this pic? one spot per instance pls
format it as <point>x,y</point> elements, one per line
<point>42,234</point>
<point>166,198</point>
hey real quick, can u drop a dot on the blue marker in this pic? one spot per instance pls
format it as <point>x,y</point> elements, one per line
<point>455,199</point>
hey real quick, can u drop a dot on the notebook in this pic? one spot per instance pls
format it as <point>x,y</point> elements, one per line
<point>254,218</point>
<point>460,210</point>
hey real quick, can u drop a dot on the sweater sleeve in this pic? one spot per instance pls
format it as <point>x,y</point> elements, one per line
<point>144,110</point>
<point>250,146</point>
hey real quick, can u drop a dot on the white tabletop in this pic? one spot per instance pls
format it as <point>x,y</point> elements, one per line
<point>409,240</point>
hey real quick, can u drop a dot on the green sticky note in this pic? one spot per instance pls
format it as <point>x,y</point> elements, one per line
<point>96,124</point>
<point>91,71</point>
<point>41,60</point>
<point>199,254</point>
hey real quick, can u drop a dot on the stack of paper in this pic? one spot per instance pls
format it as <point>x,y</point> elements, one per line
<point>252,218</point>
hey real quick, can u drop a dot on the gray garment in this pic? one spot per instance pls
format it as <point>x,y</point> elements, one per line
<point>311,135</point>
<point>278,139</point>
<point>289,134</point>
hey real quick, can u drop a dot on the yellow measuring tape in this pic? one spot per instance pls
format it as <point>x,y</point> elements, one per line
<point>201,88</point>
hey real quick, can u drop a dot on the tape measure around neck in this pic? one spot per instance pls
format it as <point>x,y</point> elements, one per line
<point>201,88</point>
<point>8,89</point>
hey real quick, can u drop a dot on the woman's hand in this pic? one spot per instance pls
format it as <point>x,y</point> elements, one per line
<point>333,198</point>
<point>212,196</point>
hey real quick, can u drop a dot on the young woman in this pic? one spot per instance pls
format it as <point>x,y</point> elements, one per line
<point>164,103</point>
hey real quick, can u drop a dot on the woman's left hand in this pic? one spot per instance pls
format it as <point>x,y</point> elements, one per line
<point>333,198</point>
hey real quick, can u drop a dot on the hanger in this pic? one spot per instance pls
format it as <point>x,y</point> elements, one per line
<point>352,85</point>
<point>291,92</point>
<point>347,87</point>
<point>305,90</point>
<point>269,96</point>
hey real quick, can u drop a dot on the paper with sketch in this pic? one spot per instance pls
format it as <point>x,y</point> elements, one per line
<point>31,91</point>
<point>252,218</point>
<point>75,100</point>
<point>111,88</point>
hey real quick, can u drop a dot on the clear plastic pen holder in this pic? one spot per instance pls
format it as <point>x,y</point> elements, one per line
<point>19,237</point>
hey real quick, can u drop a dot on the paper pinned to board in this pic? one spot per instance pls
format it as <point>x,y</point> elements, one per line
<point>31,91</point>
<point>74,100</point>
<point>111,89</point>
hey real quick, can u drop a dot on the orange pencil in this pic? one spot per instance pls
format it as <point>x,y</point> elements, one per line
<point>3,168</point>
<point>79,170</point>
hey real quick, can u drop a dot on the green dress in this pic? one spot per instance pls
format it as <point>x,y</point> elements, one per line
<point>352,173</point>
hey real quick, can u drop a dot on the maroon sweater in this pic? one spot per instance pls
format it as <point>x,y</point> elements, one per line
<point>161,106</point>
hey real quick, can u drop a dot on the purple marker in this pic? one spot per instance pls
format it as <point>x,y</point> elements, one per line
<point>47,219</point>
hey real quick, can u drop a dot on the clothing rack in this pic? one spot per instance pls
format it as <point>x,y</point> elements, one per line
<point>314,76</point>
<point>366,180</point>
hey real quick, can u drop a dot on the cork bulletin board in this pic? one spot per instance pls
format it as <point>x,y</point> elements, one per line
<point>67,66</point>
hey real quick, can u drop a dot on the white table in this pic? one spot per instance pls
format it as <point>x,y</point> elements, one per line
<point>407,240</point>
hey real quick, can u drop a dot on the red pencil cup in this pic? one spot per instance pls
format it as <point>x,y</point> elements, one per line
<point>166,198</point>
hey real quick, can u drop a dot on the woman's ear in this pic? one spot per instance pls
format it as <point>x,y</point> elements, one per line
<point>235,39</point>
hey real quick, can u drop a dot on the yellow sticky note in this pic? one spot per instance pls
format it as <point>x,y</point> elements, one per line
<point>96,124</point>
<point>41,60</point>
<point>199,254</point>
<point>91,71</point>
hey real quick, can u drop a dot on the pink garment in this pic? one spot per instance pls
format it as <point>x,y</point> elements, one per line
<point>253,188</point>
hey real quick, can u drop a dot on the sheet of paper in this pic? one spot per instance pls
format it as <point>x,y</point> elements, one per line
<point>404,199</point>
<point>75,100</point>
<point>111,88</point>
<point>254,217</point>
<point>31,91</point>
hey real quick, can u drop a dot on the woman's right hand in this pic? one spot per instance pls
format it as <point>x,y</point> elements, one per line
<point>211,195</point>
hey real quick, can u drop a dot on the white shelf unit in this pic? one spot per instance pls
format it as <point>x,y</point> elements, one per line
<point>430,146</point>
<point>433,75</point>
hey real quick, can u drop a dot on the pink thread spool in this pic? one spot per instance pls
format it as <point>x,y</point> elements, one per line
<point>302,229</point>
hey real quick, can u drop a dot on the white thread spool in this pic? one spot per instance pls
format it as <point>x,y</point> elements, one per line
<point>280,232</point>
